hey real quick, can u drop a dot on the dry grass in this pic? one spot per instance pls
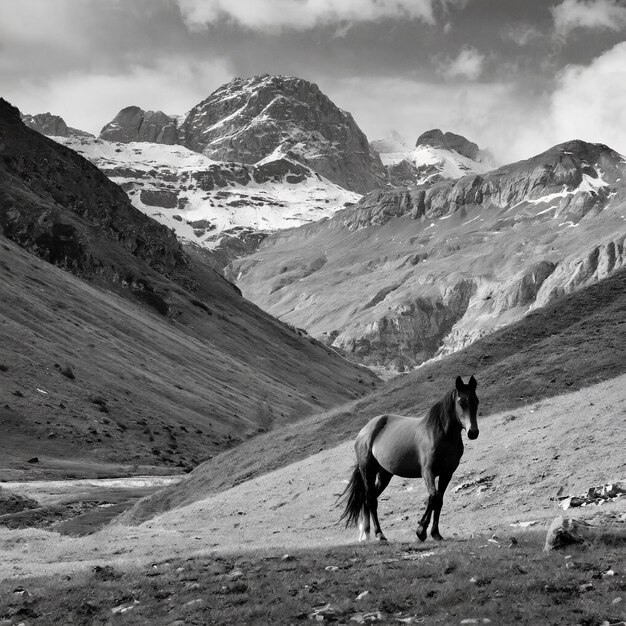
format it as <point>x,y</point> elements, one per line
<point>479,579</point>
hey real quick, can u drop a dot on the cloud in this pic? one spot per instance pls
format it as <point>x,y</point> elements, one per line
<point>589,102</point>
<point>521,34</point>
<point>277,15</point>
<point>589,14</point>
<point>89,101</point>
<point>468,64</point>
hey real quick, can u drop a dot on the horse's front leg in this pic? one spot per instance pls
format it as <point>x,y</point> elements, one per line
<point>444,481</point>
<point>432,503</point>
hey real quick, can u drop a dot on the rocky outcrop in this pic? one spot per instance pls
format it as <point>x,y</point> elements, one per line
<point>264,117</point>
<point>574,176</point>
<point>411,333</point>
<point>135,124</point>
<point>436,156</point>
<point>449,141</point>
<point>577,271</point>
<point>54,125</point>
<point>42,179</point>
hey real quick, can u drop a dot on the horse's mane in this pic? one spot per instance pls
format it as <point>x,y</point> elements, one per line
<point>438,413</point>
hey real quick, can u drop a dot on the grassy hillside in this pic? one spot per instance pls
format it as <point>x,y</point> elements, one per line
<point>94,383</point>
<point>577,341</point>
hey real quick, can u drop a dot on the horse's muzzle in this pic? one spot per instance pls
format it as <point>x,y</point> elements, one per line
<point>472,434</point>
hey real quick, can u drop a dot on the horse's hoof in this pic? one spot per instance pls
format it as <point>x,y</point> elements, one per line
<point>421,535</point>
<point>437,537</point>
<point>381,537</point>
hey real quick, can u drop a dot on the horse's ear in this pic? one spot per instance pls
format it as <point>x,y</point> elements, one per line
<point>459,383</point>
<point>472,383</point>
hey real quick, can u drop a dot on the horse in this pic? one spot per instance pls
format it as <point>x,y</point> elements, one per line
<point>410,447</point>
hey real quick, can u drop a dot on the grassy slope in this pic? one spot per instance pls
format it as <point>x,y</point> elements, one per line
<point>472,579</point>
<point>575,342</point>
<point>175,390</point>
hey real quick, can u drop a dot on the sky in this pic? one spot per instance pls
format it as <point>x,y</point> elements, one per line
<point>515,76</point>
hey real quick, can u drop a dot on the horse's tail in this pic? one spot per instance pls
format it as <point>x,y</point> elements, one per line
<point>353,497</point>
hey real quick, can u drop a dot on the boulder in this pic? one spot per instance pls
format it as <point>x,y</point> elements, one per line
<point>565,532</point>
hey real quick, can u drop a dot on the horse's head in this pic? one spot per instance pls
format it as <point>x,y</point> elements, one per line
<point>466,405</point>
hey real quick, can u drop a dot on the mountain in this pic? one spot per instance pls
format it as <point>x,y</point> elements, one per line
<point>263,119</point>
<point>121,347</point>
<point>408,274</point>
<point>435,156</point>
<point>48,124</point>
<point>209,202</point>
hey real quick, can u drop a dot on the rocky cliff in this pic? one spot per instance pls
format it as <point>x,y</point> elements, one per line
<point>408,274</point>
<point>264,117</point>
<point>436,156</point>
<point>135,124</point>
<point>52,125</point>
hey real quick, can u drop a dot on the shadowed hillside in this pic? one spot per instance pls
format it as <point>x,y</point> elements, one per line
<point>575,342</point>
<point>139,354</point>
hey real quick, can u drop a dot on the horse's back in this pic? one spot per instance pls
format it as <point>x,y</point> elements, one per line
<point>393,442</point>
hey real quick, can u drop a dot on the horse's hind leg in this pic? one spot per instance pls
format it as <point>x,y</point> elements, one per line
<point>364,523</point>
<point>375,482</point>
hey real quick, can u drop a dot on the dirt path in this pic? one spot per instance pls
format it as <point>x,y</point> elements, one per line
<point>512,475</point>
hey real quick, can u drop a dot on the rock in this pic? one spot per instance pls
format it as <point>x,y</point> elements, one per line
<point>134,124</point>
<point>564,532</point>
<point>448,141</point>
<point>54,125</point>
<point>33,459</point>
<point>247,120</point>
<point>363,595</point>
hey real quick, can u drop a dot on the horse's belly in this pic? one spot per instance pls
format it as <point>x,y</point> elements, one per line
<point>396,451</point>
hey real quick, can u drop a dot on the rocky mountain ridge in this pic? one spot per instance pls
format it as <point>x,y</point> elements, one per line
<point>52,125</point>
<point>263,117</point>
<point>444,265</point>
<point>436,156</point>
<point>223,207</point>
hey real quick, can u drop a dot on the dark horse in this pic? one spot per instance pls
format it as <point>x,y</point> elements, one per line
<point>410,447</point>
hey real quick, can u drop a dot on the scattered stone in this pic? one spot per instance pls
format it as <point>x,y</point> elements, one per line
<point>33,459</point>
<point>595,495</point>
<point>616,600</point>
<point>363,595</point>
<point>367,618</point>
<point>585,587</point>
<point>18,393</point>
<point>68,372</point>
<point>525,524</point>
<point>325,613</point>
<point>123,608</point>
<point>331,568</point>
<point>236,573</point>
<point>41,391</point>
<point>287,557</point>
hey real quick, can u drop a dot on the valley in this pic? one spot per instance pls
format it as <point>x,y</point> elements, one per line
<point>189,307</point>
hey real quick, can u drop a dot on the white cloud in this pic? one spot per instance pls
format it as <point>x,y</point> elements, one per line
<point>590,101</point>
<point>468,64</point>
<point>587,102</point>
<point>590,14</point>
<point>89,101</point>
<point>276,15</point>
